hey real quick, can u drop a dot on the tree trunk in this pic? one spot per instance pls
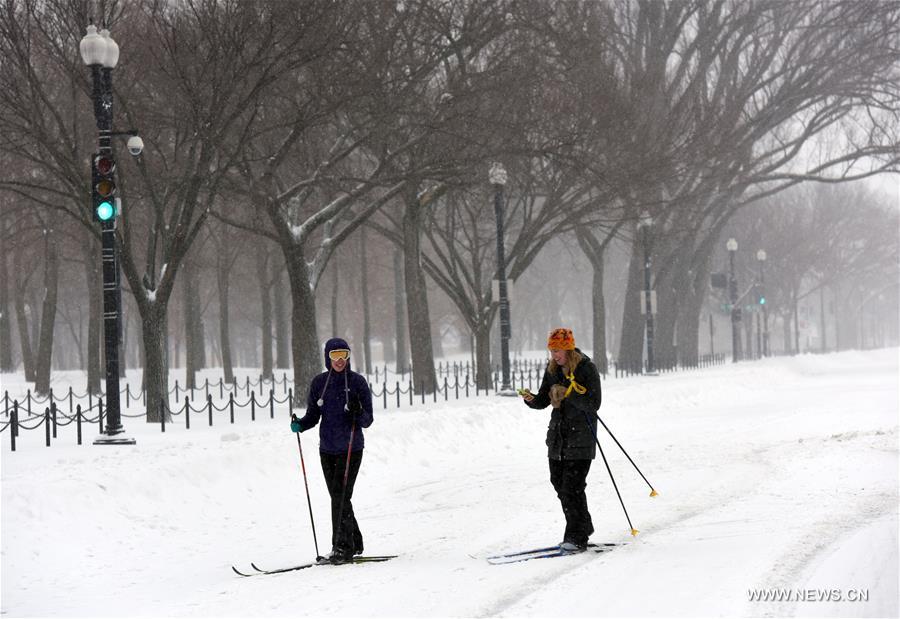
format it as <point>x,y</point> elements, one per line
<point>156,363</point>
<point>483,355</point>
<point>90,250</point>
<point>417,298</point>
<point>193,325</point>
<point>824,347</point>
<point>262,275</point>
<point>22,321</point>
<point>796,307</point>
<point>595,254</point>
<point>222,263</point>
<point>687,332</point>
<point>282,334</point>
<point>786,331</point>
<point>631,349</point>
<point>304,339</point>
<point>6,356</point>
<point>335,290</point>
<point>364,289</point>
<point>400,329</point>
<point>48,314</point>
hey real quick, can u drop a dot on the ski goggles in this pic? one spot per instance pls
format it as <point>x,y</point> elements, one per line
<point>339,354</point>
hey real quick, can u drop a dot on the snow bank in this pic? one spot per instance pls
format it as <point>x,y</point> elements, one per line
<point>781,473</point>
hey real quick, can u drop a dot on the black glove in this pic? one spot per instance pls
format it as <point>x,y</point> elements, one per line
<point>354,409</point>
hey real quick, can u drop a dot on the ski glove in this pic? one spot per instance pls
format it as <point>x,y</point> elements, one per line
<point>354,409</point>
<point>295,424</point>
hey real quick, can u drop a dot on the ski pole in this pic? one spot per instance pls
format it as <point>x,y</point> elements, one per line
<point>608,470</point>
<point>653,492</point>
<point>308,501</point>
<point>344,487</point>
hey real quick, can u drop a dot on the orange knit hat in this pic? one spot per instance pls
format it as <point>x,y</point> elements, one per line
<point>561,339</point>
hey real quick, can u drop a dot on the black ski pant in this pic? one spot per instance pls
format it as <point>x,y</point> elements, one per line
<point>345,535</point>
<point>568,479</point>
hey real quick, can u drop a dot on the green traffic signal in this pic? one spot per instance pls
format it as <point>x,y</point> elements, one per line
<point>106,210</point>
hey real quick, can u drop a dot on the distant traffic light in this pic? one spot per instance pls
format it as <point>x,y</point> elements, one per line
<point>760,294</point>
<point>103,192</point>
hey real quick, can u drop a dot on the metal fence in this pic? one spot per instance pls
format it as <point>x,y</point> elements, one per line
<point>453,379</point>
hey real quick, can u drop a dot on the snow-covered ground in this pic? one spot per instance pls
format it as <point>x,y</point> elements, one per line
<point>777,477</point>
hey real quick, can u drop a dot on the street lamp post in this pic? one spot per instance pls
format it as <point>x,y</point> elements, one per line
<point>645,223</point>
<point>498,177</point>
<point>101,53</point>
<point>761,259</point>
<point>732,246</point>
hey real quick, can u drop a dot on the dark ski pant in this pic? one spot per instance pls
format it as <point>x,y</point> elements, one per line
<point>345,535</point>
<point>568,479</point>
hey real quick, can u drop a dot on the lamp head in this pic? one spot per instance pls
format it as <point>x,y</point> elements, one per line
<point>497,174</point>
<point>732,244</point>
<point>111,55</point>
<point>92,47</point>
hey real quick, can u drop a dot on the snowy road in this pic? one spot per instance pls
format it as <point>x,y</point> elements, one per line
<point>780,474</point>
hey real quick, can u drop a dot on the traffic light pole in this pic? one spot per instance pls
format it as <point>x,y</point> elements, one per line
<point>114,434</point>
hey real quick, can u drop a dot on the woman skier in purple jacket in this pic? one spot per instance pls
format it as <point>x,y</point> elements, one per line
<point>342,400</point>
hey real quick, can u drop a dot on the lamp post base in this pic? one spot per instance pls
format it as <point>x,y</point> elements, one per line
<point>651,373</point>
<point>114,439</point>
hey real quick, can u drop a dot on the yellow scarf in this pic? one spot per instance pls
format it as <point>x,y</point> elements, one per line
<point>573,385</point>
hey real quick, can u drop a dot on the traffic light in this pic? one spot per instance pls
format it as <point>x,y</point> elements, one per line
<point>103,192</point>
<point>760,294</point>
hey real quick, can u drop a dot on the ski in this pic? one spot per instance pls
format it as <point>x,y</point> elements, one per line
<point>546,553</point>
<point>294,568</point>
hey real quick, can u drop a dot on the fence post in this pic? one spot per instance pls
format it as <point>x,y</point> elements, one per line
<point>253,404</point>
<point>284,381</point>
<point>456,387</point>
<point>127,396</point>
<point>78,422</point>
<point>187,413</point>
<point>272,402</point>
<point>47,426</point>
<point>410,390</point>
<point>100,416</point>
<point>467,386</point>
<point>445,389</point>
<point>384,392</point>
<point>209,409</point>
<point>28,402</point>
<point>206,386</point>
<point>176,390</point>
<point>90,400</point>
<point>290,401</point>
<point>231,405</point>
<point>398,394</point>
<point>248,385</point>
<point>6,402</point>
<point>221,389</point>
<point>15,422</point>
<point>53,416</point>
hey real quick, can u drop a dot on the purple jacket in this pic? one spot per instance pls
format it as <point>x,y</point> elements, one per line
<point>335,390</point>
